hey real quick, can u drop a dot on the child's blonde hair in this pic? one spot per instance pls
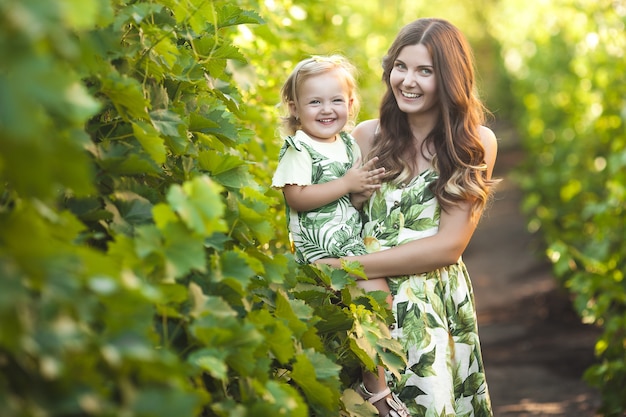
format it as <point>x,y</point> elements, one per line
<point>312,66</point>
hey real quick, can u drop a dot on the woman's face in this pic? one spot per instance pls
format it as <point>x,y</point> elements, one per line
<point>413,81</point>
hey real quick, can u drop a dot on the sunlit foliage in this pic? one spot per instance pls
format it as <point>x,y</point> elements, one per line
<point>143,257</point>
<point>567,62</point>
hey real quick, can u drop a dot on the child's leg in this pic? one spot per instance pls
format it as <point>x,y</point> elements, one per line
<point>376,382</point>
<point>378,284</point>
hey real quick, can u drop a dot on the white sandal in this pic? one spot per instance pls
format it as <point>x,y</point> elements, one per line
<point>397,407</point>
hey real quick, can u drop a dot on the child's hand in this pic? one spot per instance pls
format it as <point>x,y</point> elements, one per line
<point>364,178</point>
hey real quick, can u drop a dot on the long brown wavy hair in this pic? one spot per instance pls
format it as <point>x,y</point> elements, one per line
<point>459,156</point>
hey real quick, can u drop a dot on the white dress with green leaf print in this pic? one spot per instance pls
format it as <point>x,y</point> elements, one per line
<point>434,311</point>
<point>330,231</point>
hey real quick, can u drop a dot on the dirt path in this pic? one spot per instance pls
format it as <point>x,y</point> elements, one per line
<point>534,347</point>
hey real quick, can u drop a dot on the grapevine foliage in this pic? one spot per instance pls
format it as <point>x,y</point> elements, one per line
<point>138,245</point>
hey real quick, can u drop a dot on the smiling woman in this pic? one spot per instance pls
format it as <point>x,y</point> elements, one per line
<point>438,160</point>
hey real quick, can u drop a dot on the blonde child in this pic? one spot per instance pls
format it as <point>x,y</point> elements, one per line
<point>320,170</point>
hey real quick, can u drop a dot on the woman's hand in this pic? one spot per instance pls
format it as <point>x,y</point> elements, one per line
<point>359,199</point>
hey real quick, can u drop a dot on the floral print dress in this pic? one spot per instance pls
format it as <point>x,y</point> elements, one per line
<point>330,231</point>
<point>434,311</point>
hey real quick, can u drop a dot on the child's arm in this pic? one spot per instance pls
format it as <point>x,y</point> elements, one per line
<point>357,180</point>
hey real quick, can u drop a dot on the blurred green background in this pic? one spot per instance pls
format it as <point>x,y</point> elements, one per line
<point>139,238</point>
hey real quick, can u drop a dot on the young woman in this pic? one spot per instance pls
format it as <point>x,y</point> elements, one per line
<point>438,159</point>
<point>319,168</point>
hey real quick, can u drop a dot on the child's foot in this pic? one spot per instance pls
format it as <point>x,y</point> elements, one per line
<point>386,402</point>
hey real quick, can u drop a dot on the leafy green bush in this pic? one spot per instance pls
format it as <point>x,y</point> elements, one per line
<point>138,246</point>
<point>568,71</point>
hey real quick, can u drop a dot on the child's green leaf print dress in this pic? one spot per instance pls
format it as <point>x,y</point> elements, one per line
<point>435,314</point>
<point>333,230</point>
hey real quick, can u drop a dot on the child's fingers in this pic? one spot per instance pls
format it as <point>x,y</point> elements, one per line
<point>371,164</point>
<point>375,175</point>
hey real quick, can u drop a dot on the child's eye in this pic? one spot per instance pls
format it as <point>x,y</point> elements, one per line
<point>314,102</point>
<point>338,100</point>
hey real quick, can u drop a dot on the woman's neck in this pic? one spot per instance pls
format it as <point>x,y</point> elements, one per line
<point>425,119</point>
<point>421,126</point>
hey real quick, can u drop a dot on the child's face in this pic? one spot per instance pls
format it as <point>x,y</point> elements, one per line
<point>323,105</point>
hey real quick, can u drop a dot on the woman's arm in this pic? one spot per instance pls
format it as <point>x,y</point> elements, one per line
<point>421,255</point>
<point>490,143</point>
<point>442,249</point>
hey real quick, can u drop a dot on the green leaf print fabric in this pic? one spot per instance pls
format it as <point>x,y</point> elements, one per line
<point>435,314</point>
<point>333,230</point>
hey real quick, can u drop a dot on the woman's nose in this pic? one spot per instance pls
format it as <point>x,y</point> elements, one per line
<point>409,79</point>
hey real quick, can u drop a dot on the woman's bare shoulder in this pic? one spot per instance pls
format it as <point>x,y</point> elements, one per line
<point>487,136</point>
<point>490,143</point>
<point>364,132</point>
<point>366,127</point>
